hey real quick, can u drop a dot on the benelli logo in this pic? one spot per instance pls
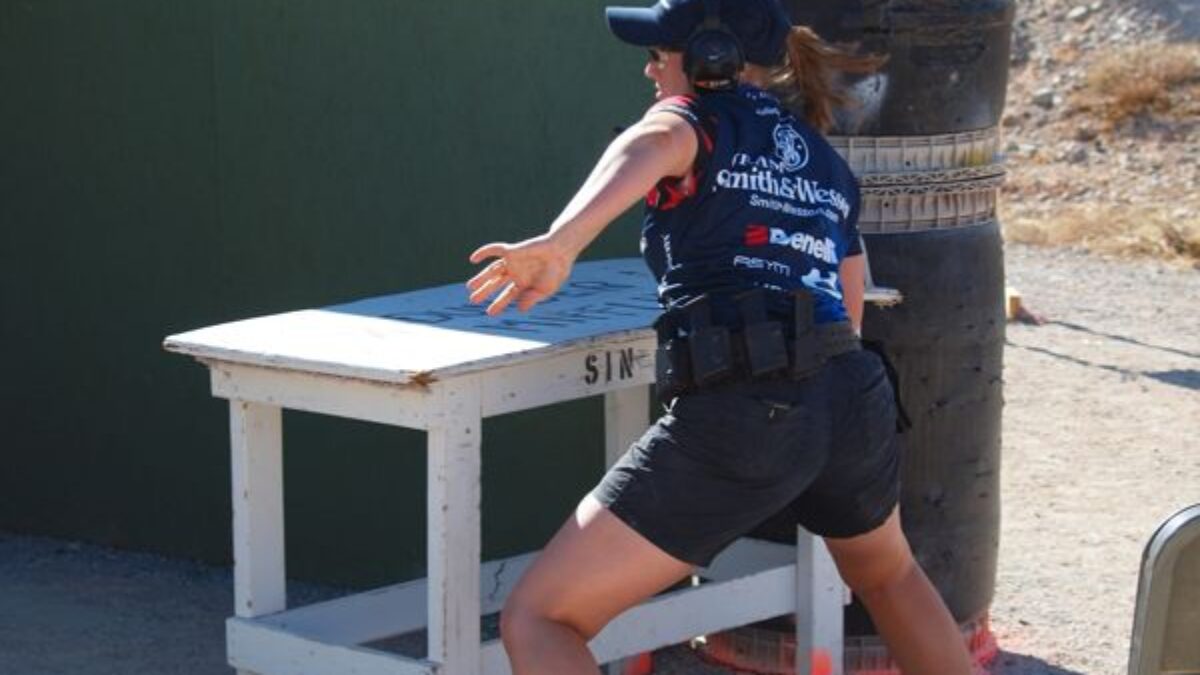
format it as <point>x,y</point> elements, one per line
<point>822,249</point>
<point>757,235</point>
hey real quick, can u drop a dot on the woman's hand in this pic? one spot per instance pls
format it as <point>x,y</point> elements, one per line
<point>661,144</point>
<point>528,272</point>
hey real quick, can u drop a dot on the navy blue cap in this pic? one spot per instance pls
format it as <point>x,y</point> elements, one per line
<point>760,25</point>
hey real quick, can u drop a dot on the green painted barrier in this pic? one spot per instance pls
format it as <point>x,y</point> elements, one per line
<point>172,164</point>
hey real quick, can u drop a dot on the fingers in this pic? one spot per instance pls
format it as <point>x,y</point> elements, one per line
<point>492,250</point>
<point>481,291</point>
<point>503,300</point>
<point>493,272</point>
<point>492,278</point>
<point>510,282</point>
<point>525,299</point>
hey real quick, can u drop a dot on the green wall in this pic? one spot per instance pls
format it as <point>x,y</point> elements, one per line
<point>166,165</point>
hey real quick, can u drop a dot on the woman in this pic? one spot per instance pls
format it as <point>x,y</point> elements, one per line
<point>750,230</point>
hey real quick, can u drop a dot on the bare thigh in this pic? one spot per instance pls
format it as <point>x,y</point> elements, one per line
<point>593,569</point>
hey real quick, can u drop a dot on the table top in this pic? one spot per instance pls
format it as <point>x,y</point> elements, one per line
<point>435,333</point>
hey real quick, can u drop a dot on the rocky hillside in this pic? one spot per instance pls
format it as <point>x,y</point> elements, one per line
<point>1102,126</point>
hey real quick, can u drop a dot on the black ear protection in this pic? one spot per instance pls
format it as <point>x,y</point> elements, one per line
<point>713,56</point>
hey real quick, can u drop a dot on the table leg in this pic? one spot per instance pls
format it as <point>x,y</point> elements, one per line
<point>626,416</point>
<point>454,534</point>
<point>819,605</point>
<point>259,574</point>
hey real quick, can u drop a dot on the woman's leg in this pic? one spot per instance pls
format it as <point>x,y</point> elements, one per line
<point>910,615</point>
<point>594,568</point>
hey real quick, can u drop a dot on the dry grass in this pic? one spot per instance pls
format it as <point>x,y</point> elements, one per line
<point>1142,79</point>
<point>1168,233</point>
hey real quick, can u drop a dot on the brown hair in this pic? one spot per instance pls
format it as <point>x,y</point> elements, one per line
<point>809,79</point>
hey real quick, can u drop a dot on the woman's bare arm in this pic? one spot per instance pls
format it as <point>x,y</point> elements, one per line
<point>661,144</point>
<point>852,273</point>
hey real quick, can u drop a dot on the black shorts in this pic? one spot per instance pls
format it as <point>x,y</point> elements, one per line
<point>823,452</point>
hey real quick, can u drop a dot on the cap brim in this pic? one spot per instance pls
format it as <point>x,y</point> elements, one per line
<point>635,25</point>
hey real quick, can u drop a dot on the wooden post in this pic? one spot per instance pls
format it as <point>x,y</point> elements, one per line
<point>820,596</point>
<point>626,417</point>
<point>259,573</point>
<point>454,533</point>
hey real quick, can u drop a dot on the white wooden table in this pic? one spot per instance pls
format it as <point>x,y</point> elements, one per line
<point>428,360</point>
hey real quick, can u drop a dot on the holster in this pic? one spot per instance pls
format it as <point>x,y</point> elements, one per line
<point>903,422</point>
<point>672,365</point>
<point>807,357</point>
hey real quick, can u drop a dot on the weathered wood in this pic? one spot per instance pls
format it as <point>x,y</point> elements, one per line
<point>826,612</point>
<point>494,658</point>
<point>626,417</point>
<point>434,334</point>
<point>681,615</point>
<point>453,534</point>
<point>748,556</point>
<point>254,647</point>
<point>592,369</point>
<point>820,596</point>
<point>876,295</point>
<point>353,399</point>
<point>392,610</point>
<point>258,547</point>
<point>401,608</point>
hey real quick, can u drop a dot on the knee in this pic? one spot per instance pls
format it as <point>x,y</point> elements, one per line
<point>517,621</point>
<point>524,623</point>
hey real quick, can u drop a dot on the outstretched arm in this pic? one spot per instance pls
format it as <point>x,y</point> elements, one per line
<point>661,144</point>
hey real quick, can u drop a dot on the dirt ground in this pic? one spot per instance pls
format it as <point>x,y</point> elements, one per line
<point>1100,445</point>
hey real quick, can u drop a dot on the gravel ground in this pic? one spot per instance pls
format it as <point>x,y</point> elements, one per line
<point>1076,172</point>
<point>1100,445</point>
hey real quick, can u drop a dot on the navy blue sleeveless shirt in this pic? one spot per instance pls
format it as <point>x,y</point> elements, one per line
<point>768,204</point>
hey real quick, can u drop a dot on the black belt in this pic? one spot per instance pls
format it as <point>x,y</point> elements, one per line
<point>683,367</point>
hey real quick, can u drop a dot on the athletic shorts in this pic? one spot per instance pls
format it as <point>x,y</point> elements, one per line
<point>822,452</point>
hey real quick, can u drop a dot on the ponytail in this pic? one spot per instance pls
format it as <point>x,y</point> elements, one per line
<point>809,80</point>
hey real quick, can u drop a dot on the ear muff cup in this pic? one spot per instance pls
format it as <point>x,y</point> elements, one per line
<point>713,56</point>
